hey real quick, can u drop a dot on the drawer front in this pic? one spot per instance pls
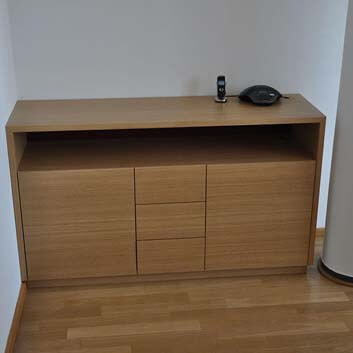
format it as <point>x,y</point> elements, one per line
<point>170,221</point>
<point>79,223</point>
<point>170,184</point>
<point>170,256</point>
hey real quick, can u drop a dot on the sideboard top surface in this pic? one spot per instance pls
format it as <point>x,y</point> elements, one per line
<point>148,113</point>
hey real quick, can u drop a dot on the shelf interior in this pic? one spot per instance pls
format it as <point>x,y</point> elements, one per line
<point>161,147</point>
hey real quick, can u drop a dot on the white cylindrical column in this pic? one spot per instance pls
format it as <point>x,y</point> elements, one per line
<point>337,259</point>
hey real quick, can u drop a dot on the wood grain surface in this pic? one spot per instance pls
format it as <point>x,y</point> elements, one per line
<point>171,256</point>
<point>160,150</point>
<point>16,145</point>
<point>258,215</point>
<point>144,113</point>
<point>170,184</point>
<point>32,124</point>
<point>170,221</point>
<point>279,314</point>
<point>78,223</point>
<point>174,276</point>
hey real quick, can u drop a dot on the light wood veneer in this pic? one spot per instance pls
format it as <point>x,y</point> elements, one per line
<point>258,215</point>
<point>16,145</point>
<point>157,150</point>
<point>78,224</point>
<point>170,221</point>
<point>170,184</point>
<point>86,174</point>
<point>149,113</point>
<point>169,256</point>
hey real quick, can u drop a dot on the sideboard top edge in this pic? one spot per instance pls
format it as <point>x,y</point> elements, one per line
<point>151,113</point>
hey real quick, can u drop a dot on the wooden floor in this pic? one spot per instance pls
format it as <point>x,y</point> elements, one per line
<point>277,314</point>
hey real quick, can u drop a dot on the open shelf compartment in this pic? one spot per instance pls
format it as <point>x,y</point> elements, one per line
<point>163,147</point>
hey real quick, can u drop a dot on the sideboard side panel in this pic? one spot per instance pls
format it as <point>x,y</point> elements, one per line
<point>16,144</point>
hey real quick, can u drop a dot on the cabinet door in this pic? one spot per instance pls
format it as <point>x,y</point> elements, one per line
<point>78,223</point>
<point>258,215</point>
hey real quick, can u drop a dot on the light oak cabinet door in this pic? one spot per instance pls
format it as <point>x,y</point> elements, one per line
<point>78,223</point>
<point>258,215</point>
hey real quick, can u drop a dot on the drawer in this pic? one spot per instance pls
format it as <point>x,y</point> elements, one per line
<point>170,221</point>
<point>170,256</point>
<point>170,184</point>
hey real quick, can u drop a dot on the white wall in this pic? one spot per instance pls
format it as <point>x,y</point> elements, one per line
<point>9,266</point>
<point>119,48</point>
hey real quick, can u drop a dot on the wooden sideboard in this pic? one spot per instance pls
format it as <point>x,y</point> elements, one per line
<point>153,188</point>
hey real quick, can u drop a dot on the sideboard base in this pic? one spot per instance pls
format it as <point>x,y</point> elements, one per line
<point>166,277</point>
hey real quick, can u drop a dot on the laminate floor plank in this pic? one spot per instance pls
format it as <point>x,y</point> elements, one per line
<point>268,314</point>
